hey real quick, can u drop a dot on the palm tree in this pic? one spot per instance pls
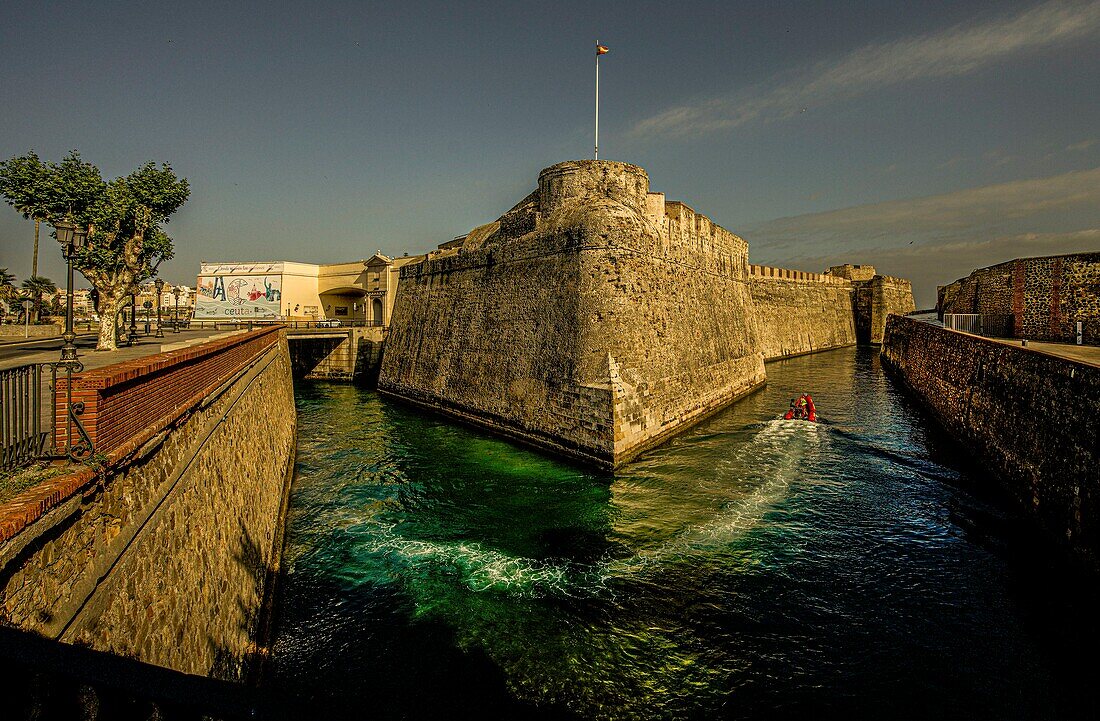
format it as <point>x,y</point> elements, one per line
<point>34,261</point>
<point>36,287</point>
<point>7,289</point>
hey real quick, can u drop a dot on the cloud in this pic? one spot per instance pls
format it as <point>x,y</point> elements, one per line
<point>957,51</point>
<point>935,239</point>
<point>1083,145</point>
<point>944,216</point>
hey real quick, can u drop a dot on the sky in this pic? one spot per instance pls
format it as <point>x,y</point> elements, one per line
<point>926,138</point>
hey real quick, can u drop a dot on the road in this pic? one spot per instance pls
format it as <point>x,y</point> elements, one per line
<point>18,349</point>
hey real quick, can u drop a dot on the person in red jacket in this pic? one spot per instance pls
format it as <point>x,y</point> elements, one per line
<point>811,410</point>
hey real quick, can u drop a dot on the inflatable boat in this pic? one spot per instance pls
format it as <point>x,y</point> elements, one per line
<point>802,410</point>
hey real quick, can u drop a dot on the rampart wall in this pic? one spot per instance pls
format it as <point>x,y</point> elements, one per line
<point>165,547</point>
<point>799,312</point>
<point>1045,296</point>
<point>887,295</point>
<point>584,322</point>
<point>597,318</point>
<point>1027,416</point>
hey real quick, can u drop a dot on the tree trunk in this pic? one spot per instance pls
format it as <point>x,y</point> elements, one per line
<point>34,261</point>
<point>110,303</point>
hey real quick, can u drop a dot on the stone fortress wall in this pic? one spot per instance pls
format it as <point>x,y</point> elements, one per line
<point>1045,297</point>
<point>799,312</point>
<point>596,318</point>
<point>580,321</point>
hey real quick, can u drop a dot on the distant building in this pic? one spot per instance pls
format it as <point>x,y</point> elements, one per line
<point>359,292</point>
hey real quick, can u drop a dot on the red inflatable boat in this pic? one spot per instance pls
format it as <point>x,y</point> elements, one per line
<point>802,410</point>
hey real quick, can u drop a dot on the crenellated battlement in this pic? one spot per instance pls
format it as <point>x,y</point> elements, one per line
<point>595,318</point>
<point>765,272</point>
<point>694,239</point>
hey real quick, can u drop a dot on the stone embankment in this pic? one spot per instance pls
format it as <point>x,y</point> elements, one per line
<point>1029,417</point>
<point>336,354</point>
<point>164,547</point>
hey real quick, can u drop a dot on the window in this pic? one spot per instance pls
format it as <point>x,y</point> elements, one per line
<point>341,310</point>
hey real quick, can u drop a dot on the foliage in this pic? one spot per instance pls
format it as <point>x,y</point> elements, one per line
<point>35,288</point>
<point>124,218</point>
<point>8,291</point>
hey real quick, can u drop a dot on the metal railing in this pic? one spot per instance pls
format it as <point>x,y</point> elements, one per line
<point>983,324</point>
<point>21,416</point>
<point>30,429</point>
<point>249,324</point>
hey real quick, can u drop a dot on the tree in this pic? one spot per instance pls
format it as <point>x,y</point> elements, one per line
<point>8,291</point>
<point>124,216</point>
<point>35,288</point>
<point>26,175</point>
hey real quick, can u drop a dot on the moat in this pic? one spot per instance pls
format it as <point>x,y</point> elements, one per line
<point>749,568</point>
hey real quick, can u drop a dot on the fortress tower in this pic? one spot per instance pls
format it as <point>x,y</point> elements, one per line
<point>593,318</point>
<point>596,319</point>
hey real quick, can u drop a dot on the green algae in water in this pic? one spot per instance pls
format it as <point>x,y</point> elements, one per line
<point>748,565</point>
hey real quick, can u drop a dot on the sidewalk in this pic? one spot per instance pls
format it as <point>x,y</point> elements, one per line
<point>145,345</point>
<point>1087,354</point>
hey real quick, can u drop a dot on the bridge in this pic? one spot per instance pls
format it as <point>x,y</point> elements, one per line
<point>342,353</point>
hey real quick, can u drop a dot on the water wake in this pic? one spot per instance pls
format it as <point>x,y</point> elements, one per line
<point>767,464</point>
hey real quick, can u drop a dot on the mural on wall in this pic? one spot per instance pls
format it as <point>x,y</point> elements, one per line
<point>238,296</point>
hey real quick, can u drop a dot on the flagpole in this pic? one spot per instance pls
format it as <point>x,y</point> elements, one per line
<point>597,148</point>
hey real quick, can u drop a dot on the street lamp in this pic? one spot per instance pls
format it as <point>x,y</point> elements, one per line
<point>160,287</point>
<point>133,319</point>
<point>72,239</point>
<point>176,311</point>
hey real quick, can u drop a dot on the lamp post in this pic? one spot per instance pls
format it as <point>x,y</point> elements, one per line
<point>160,288</point>
<point>176,311</point>
<point>133,318</point>
<point>72,239</point>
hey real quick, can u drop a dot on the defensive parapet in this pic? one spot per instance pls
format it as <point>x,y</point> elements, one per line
<point>593,318</point>
<point>596,318</point>
<point>764,272</point>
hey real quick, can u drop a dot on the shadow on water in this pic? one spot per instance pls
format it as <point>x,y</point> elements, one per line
<point>749,568</point>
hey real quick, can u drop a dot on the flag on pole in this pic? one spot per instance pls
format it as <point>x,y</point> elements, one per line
<point>600,50</point>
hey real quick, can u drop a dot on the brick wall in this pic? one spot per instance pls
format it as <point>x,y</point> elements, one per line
<point>124,400</point>
<point>1027,416</point>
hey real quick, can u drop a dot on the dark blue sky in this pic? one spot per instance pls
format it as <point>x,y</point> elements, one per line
<point>923,137</point>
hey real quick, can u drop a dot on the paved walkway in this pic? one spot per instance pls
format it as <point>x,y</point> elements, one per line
<point>16,354</point>
<point>1088,354</point>
<point>49,350</point>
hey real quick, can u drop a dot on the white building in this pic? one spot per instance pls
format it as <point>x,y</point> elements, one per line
<point>360,292</point>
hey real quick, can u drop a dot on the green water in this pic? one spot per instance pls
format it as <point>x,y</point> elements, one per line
<point>750,568</point>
